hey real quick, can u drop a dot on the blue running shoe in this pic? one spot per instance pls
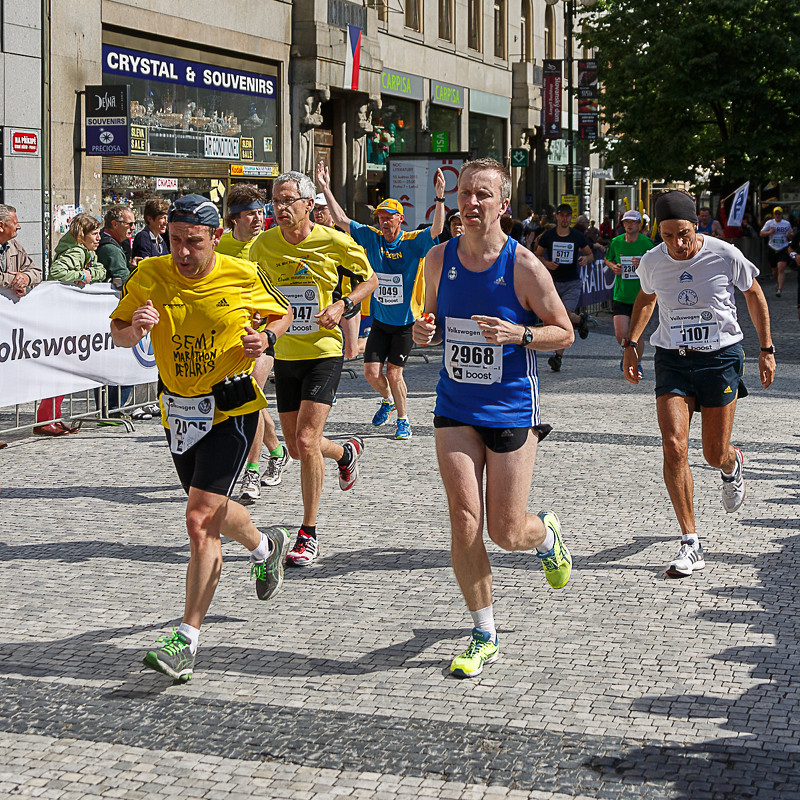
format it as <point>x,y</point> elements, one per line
<point>403,429</point>
<point>383,413</point>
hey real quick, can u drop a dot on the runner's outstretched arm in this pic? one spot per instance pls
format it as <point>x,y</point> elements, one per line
<point>337,212</point>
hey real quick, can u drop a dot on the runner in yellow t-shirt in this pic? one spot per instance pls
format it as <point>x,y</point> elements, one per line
<point>301,259</point>
<point>198,307</point>
<point>246,220</point>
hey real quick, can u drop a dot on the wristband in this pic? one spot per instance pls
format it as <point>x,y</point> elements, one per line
<point>629,343</point>
<point>439,199</point>
<point>770,349</point>
<point>350,308</point>
<point>271,338</point>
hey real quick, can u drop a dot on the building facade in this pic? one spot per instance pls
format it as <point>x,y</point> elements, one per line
<point>212,95</point>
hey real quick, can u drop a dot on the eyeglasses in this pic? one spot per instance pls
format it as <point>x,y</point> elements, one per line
<point>127,224</point>
<point>287,203</point>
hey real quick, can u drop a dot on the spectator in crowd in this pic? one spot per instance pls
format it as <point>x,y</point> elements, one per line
<point>114,254</point>
<point>114,251</point>
<point>606,229</point>
<point>152,239</point>
<point>592,232</point>
<point>75,262</point>
<point>18,273</point>
<point>17,270</point>
<point>453,223</point>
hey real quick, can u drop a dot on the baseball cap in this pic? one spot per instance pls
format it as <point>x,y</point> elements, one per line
<point>319,200</point>
<point>634,215</point>
<point>564,207</point>
<point>194,209</point>
<point>390,205</point>
<point>777,210</point>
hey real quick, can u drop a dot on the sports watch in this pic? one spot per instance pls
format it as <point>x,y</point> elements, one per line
<point>629,343</point>
<point>770,349</point>
<point>527,337</point>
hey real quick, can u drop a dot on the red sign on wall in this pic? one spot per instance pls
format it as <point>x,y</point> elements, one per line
<point>24,143</point>
<point>551,102</point>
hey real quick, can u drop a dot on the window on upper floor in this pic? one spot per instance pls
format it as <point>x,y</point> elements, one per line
<point>446,20</point>
<point>414,15</point>
<point>500,28</point>
<point>549,33</point>
<point>474,26</point>
<point>383,9</point>
<point>526,31</point>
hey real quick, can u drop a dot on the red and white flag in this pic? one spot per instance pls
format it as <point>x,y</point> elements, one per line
<point>352,60</point>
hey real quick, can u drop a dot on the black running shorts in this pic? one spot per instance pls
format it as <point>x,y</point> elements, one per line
<point>390,343</point>
<point>620,309</point>
<point>714,379</point>
<point>214,463</point>
<point>315,379</point>
<point>498,440</point>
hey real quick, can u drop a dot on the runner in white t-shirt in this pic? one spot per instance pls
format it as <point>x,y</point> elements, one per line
<point>699,359</point>
<point>779,232</point>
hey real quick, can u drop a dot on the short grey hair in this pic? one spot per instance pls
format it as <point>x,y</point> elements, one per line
<point>5,213</point>
<point>305,186</point>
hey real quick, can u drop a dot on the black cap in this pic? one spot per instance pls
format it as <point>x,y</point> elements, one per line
<point>194,209</point>
<point>564,207</point>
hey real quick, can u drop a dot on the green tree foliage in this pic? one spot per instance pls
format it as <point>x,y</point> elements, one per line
<point>691,86</point>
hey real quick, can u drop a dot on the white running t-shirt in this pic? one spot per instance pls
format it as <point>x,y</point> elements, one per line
<point>779,233</point>
<point>696,307</point>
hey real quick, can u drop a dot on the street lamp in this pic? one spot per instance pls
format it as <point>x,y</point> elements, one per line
<point>569,16</point>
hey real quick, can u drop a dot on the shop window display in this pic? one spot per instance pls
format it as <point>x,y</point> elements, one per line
<point>394,131</point>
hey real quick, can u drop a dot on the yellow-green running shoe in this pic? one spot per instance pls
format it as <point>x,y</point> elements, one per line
<point>557,563</point>
<point>482,650</point>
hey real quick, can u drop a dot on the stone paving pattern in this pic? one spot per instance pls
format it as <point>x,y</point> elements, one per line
<point>624,685</point>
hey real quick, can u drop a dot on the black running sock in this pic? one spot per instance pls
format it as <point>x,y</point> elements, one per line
<point>309,530</point>
<point>347,459</point>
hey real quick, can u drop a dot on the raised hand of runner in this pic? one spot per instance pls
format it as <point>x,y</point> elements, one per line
<point>439,183</point>
<point>323,176</point>
<point>144,319</point>
<point>252,342</point>
<point>499,331</point>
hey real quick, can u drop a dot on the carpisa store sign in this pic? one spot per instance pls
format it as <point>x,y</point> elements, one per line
<point>401,84</point>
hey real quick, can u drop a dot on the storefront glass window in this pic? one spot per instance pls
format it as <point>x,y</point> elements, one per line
<point>487,136</point>
<point>395,130</point>
<point>445,124</point>
<point>194,110</point>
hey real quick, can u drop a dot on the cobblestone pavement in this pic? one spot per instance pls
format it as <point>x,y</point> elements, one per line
<point>623,685</point>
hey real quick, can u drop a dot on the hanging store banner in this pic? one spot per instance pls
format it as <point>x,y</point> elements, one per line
<point>588,106</point>
<point>551,101</point>
<point>107,120</point>
<point>45,354</point>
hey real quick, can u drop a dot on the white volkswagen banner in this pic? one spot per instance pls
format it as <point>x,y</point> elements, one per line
<point>57,340</point>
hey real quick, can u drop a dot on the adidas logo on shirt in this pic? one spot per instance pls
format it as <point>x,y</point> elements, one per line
<point>222,303</point>
<point>501,281</point>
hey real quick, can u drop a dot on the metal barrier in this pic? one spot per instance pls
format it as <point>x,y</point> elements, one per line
<point>23,416</point>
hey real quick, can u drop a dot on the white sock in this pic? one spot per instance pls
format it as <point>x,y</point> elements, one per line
<point>691,538</point>
<point>735,468</point>
<point>405,417</point>
<point>261,551</point>
<point>549,541</point>
<point>483,618</point>
<point>190,633</point>
<point>388,399</point>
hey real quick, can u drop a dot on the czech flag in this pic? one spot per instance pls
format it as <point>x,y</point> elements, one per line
<point>352,60</point>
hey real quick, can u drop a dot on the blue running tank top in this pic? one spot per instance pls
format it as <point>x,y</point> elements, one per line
<point>496,386</point>
<point>705,228</point>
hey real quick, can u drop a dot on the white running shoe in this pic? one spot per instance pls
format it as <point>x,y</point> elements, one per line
<point>274,470</point>
<point>251,491</point>
<point>304,552</point>
<point>688,559</point>
<point>733,489</point>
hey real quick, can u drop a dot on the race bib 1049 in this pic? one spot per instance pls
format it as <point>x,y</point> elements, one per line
<point>468,357</point>
<point>305,307</point>
<point>390,289</point>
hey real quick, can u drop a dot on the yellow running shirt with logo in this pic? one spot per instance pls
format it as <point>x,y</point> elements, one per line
<point>197,341</point>
<point>230,246</point>
<point>306,274</point>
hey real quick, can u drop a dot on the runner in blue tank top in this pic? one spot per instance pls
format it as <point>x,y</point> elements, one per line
<point>482,295</point>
